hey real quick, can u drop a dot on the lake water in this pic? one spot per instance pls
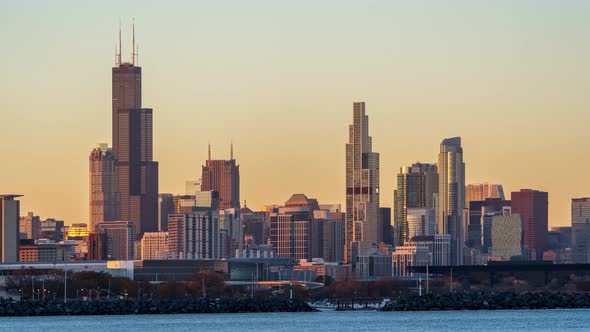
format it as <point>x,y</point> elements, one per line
<point>507,320</point>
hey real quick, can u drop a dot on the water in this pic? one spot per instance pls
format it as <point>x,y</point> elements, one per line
<point>508,320</point>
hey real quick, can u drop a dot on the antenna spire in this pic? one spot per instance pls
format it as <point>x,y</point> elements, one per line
<point>209,150</point>
<point>118,52</point>
<point>133,42</point>
<point>231,156</point>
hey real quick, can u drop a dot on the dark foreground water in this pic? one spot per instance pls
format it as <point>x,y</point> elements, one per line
<point>508,320</point>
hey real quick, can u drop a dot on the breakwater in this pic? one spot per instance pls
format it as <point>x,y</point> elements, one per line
<point>129,307</point>
<point>489,301</point>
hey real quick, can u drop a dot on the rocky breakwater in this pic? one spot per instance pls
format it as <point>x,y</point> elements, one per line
<point>129,307</point>
<point>489,301</point>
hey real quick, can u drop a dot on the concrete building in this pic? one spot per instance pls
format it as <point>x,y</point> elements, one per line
<point>416,187</point>
<point>363,228</point>
<point>407,256</point>
<point>165,207</point>
<point>373,264</point>
<point>9,228</point>
<point>451,196</point>
<point>421,222</point>
<point>29,226</point>
<point>119,237</point>
<point>194,235</point>
<point>29,251</point>
<point>507,237</point>
<point>483,191</point>
<point>580,230</point>
<point>222,176</point>
<point>533,206</point>
<point>439,245</point>
<point>104,199</point>
<point>154,245</point>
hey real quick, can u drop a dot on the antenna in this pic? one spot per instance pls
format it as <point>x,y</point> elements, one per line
<point>133,42</point>
<point>231,156</point>
<point>137,53</point>
<point>118,53</point>
<point>209,150</point>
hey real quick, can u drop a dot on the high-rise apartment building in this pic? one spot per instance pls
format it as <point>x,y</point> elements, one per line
<point>194,235</point>
<point>9,228</point>
<point>581,229</point>
<point>104,199</point>
<point>29,226</point>
<point>165,207</point>
<point>291,227</point>
<point>119,237</point>
<point>533,206</point>
<point>416,187</point>
<point>482,191</point>
<point>136,173</point>
<point>363,227</point>
<point>451,196</point>
<point>479,225</point>
<point>154,245</point>
<point>222,176</point>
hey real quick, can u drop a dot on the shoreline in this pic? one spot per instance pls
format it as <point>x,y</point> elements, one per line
<point>490,301</point>
<point>147,307</point>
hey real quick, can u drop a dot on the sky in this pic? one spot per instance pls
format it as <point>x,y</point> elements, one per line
<point>278,78</point>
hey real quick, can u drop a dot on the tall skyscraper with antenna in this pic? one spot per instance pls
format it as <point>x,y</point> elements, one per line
<point>223,176</point>
<point>136,173</point>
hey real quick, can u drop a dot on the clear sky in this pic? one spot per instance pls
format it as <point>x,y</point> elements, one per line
<point>279,78</point>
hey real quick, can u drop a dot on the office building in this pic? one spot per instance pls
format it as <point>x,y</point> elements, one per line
<point>482,191</point>
<point>119,237</point>
<point>580,230</point>
<point>232,229</point>
<point>31,251</point>
<point>533,206</point>
<point>255,227</point>
<point>373,264</point>
<point>421,222</point>
<point>479,225</point>
<point>388,233</point>
<point>416,187</point>
<point>165,207</point>
<point>507,237</point>
<point>52,229</point>
<point>136,173</point>
<point>363,227</point>
<point>154,245</point>
<point>439,245</point>
<point>407,256</point>
<point>222,176</point>
<point>29,226</point>
<point>9,228</point>
<point>451,196</point>
<point>104,199</point>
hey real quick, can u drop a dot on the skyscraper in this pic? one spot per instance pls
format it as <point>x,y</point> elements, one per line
<point>481,191</point>
<point>581,229</point>
<point>223,176</point>
<point>136,171</point>
<point>416,186</point>
<point>533,206</point>
<point>104,200</point>
<point>9,228</point>
<point>451,196</point>
<point>119,237</point>
<point>363,226</point>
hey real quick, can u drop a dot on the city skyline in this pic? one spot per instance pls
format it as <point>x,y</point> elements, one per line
<point>73,137</point>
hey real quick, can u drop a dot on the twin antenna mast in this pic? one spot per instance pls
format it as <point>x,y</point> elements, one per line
<point>134,47</point>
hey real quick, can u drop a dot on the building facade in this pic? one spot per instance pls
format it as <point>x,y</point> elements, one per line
<point>482,191</point>
<point>119,237</point>
<point>533,206</point>
<point>104,199</point>
<point>194,235</point>
<point>29,226</point>
<point>9,228</point>
<point>154,245</point>
<point>580,231</point>
<point>363,228</point>
<point>507,237</point>
<point>222,176</point>
<point>136,173</point>
<point>451,196</point>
